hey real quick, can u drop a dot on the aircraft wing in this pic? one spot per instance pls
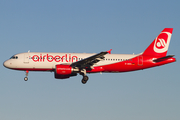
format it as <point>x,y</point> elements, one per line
<point>90,61</point>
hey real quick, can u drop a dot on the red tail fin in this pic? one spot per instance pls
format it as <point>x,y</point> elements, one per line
<point>159,46</point>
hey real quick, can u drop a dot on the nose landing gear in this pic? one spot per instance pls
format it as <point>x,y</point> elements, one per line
<point>26,78</point>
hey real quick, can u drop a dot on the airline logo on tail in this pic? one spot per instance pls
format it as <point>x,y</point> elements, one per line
<point>162,42</point>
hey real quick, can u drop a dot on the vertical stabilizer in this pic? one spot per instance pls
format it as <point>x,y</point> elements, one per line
<point>159,46</point>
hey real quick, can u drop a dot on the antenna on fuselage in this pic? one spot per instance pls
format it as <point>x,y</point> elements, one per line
<point>28,51</point>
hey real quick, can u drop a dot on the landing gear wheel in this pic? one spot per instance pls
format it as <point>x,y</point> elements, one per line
<point>85,79</point>
<point>26,78</point>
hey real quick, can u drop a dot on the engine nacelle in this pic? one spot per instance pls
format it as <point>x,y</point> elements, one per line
<point>61,76</point>
<point>63,69</point>
<point>64,76</point>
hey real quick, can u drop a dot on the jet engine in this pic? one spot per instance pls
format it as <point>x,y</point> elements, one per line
<point>64,71</point>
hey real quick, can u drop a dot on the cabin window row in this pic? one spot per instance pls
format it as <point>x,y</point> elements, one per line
<point>118,59</point>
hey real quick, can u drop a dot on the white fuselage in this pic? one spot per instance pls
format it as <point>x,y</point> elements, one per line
<point>37,60</point>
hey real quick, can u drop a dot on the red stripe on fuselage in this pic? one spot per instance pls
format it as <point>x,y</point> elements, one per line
<point>34,69</point>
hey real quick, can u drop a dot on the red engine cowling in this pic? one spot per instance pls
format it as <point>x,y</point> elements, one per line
<point>63,69</point>
<point>61,76</point>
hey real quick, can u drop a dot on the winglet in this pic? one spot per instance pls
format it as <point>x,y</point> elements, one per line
<point>109,51</point>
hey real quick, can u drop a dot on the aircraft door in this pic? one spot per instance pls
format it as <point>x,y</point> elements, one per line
<point>140,60</point>
<point>26,57</point>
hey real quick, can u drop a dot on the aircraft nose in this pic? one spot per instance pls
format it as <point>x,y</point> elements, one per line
<point>6,64</point>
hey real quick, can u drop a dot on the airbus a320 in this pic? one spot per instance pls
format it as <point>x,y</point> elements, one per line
<point>66,65</point>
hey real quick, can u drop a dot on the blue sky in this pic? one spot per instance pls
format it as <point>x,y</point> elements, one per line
<point>88,26</point>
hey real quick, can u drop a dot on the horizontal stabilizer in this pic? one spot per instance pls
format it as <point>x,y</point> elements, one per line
<point>163,58</point>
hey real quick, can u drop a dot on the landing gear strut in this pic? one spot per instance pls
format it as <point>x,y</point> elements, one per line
<point>85,77</point>
<point>26,78</point>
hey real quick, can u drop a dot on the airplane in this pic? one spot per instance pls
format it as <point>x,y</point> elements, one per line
<point>66,65</point>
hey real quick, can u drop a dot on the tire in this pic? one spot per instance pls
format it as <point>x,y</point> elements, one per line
<point>85,79</point>
<point>26,78</point>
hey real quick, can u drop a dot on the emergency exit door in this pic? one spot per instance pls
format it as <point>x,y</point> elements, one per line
<point>140,60</point>
<point>26,57</point>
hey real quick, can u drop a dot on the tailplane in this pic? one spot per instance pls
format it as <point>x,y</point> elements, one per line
<point>159,46</point>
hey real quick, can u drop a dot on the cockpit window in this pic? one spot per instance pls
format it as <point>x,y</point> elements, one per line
<point>14,57</point>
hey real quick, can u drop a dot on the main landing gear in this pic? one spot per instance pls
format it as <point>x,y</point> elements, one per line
<point>26,78</point>
<point>85,77</point>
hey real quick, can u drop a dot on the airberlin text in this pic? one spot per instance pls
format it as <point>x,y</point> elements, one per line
<point>56,58</point>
